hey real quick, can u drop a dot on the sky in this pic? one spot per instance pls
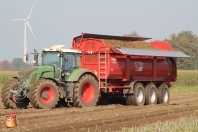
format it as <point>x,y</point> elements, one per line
<point>58,21</point>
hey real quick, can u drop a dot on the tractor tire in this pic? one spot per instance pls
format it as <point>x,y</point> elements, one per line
<point>129,99</point>
<point>163,94</point>
<point>86,91</point>
<point>44,94</point>
<point>138,97</point>
<point>8,99</point>
<point>150,94</point>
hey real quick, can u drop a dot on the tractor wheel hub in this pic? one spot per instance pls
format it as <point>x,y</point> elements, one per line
<point>45,95</point>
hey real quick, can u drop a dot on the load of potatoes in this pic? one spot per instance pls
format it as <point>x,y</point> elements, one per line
<point>128,44</point>
<point>117,43</point>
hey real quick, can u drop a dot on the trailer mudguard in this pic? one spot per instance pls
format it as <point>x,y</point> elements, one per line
<point>77,73</point>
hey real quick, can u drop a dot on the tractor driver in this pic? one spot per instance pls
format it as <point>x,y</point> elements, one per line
<point>69,61</point>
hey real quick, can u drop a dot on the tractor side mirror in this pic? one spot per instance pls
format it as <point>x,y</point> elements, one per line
<point>27,57</point>
<point>35,58</point>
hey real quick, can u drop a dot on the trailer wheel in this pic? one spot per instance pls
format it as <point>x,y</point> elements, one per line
<point>129,99</point>
<point>86,91</point>
<point>163,94</point>
<point>138,96</point>
<point>44,94</point>
<point>150,94</point>
<point>8,98</point>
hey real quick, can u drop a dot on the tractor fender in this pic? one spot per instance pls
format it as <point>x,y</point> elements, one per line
<point>77,73</point>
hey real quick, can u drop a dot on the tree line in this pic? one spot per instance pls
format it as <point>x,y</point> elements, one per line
<point>17,64</point>
<point>185,41</point>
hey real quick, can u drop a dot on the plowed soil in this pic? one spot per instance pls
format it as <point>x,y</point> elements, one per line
<point>102,118</point>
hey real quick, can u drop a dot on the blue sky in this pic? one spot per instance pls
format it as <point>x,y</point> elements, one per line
<point>58,21</point>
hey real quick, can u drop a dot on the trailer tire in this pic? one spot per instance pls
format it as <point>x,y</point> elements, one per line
<point>44,94</point>
<point>86,91</point>
<point>150,94</point>
<point>129,99</point>
<point>163,94</point>
<point>138,97</point>
<point>8,98</point>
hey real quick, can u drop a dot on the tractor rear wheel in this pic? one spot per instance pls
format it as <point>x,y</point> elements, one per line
<point>44,94</point>
<point>163,94</point>
<point>150,94</point>
<point>8,98</point>
<point>86,91</point>
<point>138,97</point>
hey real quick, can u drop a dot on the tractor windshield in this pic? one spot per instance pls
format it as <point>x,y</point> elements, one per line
<point>50,58</point>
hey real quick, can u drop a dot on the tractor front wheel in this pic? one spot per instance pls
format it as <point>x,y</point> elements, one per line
<point>8,98</point>
<point>86,91</point>
<point>44,94</point>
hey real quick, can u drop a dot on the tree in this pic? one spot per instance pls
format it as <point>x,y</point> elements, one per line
<point>27,65</point>
<point>5,65</point>
<point>186,42</point>
<point>132,34</point>
<point>17,64</point>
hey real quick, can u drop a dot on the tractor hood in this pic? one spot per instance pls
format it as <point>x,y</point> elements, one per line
<point>25,74</point>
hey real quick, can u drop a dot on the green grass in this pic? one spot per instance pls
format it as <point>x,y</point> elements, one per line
<point>4,79</point>
<point>186,78</point>
<point>184,89</point>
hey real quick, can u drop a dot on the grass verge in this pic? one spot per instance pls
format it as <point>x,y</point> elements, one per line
<point>183,124</point>
<point>184,89</point>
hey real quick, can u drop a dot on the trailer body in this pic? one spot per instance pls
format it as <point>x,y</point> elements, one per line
<point>118,66</point>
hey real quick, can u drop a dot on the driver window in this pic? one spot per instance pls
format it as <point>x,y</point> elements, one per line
<point>69,62</point>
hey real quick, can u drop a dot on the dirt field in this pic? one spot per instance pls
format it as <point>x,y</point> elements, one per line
<point>102,118</point>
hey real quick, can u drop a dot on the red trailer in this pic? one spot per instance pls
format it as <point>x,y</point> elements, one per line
<point>141,76</point>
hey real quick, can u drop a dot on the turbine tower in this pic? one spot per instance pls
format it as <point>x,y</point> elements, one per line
<point>26,23</point>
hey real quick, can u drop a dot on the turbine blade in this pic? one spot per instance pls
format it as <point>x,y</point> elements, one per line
<point>31,11</point>
<point>19,19</point>
<point>30,29</point>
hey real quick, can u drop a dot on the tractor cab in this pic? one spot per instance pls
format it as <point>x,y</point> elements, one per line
<point>63,60</point>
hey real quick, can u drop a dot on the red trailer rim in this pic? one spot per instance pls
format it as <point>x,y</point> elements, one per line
<point>87,93</point>
<point>47,95</point>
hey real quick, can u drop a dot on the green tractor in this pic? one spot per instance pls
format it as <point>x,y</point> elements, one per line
<point>58,79</point>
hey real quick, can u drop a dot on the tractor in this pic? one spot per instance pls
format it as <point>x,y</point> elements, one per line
<point>59,77</point>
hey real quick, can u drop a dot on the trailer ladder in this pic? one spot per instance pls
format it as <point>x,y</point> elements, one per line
<point>103,68</point>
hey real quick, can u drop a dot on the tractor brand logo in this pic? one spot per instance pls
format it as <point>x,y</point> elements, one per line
<point>138,66</point>
<point>10,121</point>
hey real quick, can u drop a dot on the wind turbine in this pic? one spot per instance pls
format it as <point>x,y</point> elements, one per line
<point>26,23</point>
